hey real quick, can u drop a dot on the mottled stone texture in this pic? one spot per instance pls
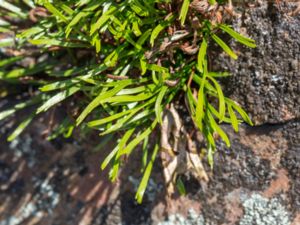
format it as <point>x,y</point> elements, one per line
<point>266,80</point>
<point>256,181</point>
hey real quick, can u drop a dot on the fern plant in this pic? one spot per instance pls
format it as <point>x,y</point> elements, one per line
<point>118,65</point>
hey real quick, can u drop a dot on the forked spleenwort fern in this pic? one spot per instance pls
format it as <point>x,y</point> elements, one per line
<point>118,64</point>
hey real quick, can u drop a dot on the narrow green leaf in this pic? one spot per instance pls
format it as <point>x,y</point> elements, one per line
<point>201,97</point>
<point>128,38</point>
<point>9,61</point>
<point>216,113</point>
<point>143,184</point>
<point>30,32</point>
<point>19,72</point>
<point>224,46</point>
<point>62,43</point>
<point>139,89</point>
<point>102,19</point>
<point>138,8</point>
<point>130,98</point>
<point>112,58</point>
<point>209,136</point>
<point>144,37</point>
<point>74,21</point>
<point>184,10</point>
<point>234,120</point>
<point>243,114</point>
<point>207,84</point>
<point>218,129</point>
<point>136,30</point>
<point>143,64</point>
<point>58,85</point>
<point>142,116</point>
<point>64,128</point>
<point>13,8</point>
<point>57,98</point>
<point>114,171</point>
<point>155,33</point>
<point>55,11</point>
<point>221,99</point>
<point>219,74</point>
<point>120,123</point>
<point>120,145</point>
<point>159,105</point>
<point>113,117</point>
<point>145,153</point>
<point>6,113</point>
<point>139,138</point>
<point>191,101</point>
<point>101,99</point>
<point>240,38</point>
<point>157,68</point>
<point>180,186</point>
<point>201,54</point>
<point>67,9</point>
<point>21,128</point>
<point>96,41</point>
<point>96,123</point>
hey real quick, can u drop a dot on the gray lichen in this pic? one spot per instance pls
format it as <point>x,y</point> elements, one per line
<point>192,219</point>
<point>44,201</point>
<point>262,211</point>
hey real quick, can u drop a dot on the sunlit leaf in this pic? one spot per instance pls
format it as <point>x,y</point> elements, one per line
<point>218,129</point>
<point>21,127</point>
<point>244,40</point>
<point>234,120</point>
<point>221,98</point>
<point>101,98</point>
<point>158,103</point>
<point>127,150</point>
<point>55,11</point>
<point>184,11</point>
<point>224,46</point>
<point>243,114</point>
<point>201,54</point>
<point>143,184</point>
<point>57,98</point>
<point>121,144</point>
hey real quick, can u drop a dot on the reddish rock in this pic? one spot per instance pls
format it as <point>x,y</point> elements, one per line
<point>280,184</point>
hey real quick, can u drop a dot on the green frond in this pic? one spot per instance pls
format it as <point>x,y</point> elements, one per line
<point>116,66</point>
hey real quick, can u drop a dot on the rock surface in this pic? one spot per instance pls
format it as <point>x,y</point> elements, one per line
<point>266,80</point>
<point>256,181</point>
<point>59,183</point>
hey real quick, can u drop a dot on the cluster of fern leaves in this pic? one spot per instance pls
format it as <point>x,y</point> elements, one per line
<point>117,65</point>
